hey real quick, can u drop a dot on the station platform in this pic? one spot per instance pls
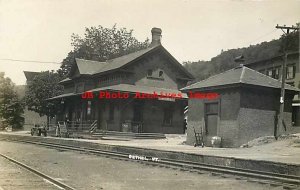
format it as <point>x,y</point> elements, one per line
<point>284,153</point>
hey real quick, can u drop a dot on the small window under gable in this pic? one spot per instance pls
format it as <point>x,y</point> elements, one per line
<point>157,74</point>
<point>161,74</point>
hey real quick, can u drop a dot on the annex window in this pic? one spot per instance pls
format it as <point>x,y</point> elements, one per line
<point>168,115</point>
<point>290,72</point>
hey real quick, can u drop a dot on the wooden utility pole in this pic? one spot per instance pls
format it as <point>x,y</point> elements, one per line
<point>286,30</point>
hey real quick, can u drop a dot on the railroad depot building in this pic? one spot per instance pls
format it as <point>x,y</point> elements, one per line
<point>273,68</point>
<point>245,109</point>
<point>153,71</point>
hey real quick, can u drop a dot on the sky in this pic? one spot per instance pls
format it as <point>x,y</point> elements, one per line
<point>192,30</point>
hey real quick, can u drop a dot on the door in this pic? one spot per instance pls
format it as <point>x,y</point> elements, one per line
<point>138,111</point>
<point>137,123</point>
<point>102,124</point>
<point>211,118</point>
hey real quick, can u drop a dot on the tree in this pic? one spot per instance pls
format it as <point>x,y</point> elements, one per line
<point>11,108</point>
<point>225,61</point>
<point>101,44</point>
<point>292,43</point>
<point>44,86</point>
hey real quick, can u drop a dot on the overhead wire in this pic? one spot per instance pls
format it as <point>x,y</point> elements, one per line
<point>53,62</point>
<point>260,37</point>
<point>256,39</point>
<point>29,61</point>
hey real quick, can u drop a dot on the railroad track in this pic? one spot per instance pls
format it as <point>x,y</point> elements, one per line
<point>274,179</point>
<point>55,182</point>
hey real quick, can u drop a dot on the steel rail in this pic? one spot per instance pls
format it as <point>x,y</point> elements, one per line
<point>289,181</point>
<point>57,183</point>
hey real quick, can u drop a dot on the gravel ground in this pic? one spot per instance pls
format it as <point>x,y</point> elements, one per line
<point>14,177</point>
<point>94,172</point>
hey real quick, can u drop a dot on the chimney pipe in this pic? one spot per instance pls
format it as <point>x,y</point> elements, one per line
<point>156,36</point>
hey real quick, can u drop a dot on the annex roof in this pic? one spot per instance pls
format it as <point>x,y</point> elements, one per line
<point>239,75</point>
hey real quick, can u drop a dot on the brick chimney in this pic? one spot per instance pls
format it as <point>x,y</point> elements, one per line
<point>156,36</point>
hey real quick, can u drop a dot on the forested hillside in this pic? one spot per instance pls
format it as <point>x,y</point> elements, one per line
<point>225,60</point>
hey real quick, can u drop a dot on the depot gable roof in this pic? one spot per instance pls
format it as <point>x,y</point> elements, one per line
<point>88,67</point>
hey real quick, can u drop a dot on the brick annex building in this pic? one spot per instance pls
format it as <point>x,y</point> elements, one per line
<point>246,108</point>
<point>147,71</point>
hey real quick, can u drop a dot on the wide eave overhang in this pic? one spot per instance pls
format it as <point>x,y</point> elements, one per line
<point>126,88</point>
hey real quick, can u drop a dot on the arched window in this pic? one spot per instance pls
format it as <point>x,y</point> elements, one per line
<point>161,74</point>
